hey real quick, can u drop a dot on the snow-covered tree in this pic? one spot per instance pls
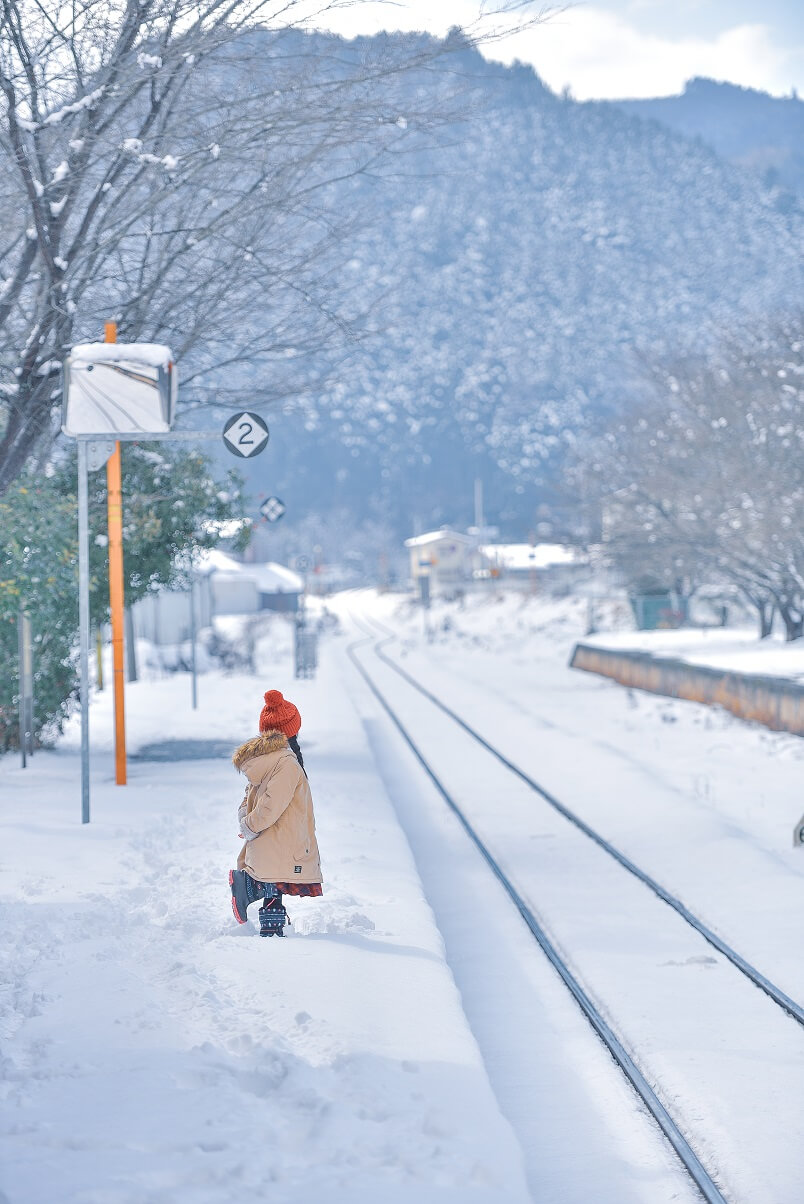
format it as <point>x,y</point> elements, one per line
<point>170,163</point>
<point>703,478</point>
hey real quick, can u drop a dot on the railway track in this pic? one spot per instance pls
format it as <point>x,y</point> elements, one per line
<point>760,980</point>
<point>692,1163</point>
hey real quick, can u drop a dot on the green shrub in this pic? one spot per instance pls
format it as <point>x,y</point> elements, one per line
<point>172,507</point>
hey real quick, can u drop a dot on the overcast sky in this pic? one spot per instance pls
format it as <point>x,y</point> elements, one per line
<point>624,48</point>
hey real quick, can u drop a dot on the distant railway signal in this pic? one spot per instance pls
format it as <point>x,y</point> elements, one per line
<point>272,509</point>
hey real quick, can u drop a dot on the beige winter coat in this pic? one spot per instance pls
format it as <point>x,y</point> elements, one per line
<point>279,807</point>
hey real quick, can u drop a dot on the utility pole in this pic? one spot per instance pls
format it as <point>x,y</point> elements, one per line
<point>479,521</point>
<point>114,487</point>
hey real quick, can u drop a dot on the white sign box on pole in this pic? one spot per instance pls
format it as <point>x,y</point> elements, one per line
<point>119,388</point>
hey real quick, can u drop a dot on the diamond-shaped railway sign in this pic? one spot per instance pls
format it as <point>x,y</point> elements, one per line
<point>272,509</point>
<point>245,434</point>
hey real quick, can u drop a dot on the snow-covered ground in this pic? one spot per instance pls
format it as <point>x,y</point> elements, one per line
<point>670,779</point>
<point>703,802</point>
<point>407,1039</point>
<point>155,1050</point>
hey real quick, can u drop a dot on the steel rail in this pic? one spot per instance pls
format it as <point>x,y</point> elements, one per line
<point>684,1151</point>
<point>793,1009</point>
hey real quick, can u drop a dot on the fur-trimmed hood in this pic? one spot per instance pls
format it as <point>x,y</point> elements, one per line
<point>259,746</point>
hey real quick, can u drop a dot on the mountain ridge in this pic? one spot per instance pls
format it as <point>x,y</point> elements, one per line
<point>523,268</point>
<point>751,128</point>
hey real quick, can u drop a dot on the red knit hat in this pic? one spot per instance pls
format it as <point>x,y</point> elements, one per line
<point>279,715</point>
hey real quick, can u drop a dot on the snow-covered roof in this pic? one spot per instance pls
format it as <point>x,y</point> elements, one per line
<point>419,541</point>
<point>275,578</point>
<point>530,556</point>
<point>214,561</point>
<point>269,578</point>
<point>156,355</point>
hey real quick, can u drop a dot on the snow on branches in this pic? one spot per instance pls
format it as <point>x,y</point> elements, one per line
<point>701,480</point>
<point>142,146</point>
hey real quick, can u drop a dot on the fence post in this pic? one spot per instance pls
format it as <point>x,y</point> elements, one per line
<point>99,657</point>
<point>29,686</point>
<point>193,639</point>
<point>130,645</point>
<point>25,655</point>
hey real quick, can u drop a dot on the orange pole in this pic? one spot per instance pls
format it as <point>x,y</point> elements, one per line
<point>114,493</point>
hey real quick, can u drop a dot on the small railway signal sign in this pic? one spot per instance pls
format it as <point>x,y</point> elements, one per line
<point>272,509</point>
<point>245,434</point>
<point>302,564</point>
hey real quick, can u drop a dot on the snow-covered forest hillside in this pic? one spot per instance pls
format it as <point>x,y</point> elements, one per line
<point>760,132</point>
<point>434,267</point>
<point>517,266</point>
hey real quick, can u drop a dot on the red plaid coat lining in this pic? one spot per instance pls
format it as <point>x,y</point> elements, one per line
<point>313,889</point>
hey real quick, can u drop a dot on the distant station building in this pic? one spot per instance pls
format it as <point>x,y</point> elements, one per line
<point>547,567</point>
<point>451,561</point>
<point>443,557</point>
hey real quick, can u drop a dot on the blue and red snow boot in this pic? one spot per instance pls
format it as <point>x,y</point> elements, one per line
<point>273,917</point>
<point>245,890</point>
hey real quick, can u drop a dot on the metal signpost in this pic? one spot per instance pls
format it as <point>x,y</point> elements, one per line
<point>306,649</point>
<point>111,391</point>
<point>95,449</point>
<point>92,455</point>
<point>425,568</point>
<point>83,619</point>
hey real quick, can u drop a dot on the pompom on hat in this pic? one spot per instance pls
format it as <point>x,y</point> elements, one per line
<point>279,715</point>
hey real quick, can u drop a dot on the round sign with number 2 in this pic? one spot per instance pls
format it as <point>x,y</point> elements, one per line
<point>245,434</point>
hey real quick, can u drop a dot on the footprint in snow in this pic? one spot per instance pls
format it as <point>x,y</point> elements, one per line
<point>334,923</point>
<point>701,960</point>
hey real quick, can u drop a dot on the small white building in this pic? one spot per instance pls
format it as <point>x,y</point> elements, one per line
<point>552,567</point>
<point>164,618</point>
<point>223,586</point>
<point>444,556</point>
<point>278,587</point>
<point>232,587</point>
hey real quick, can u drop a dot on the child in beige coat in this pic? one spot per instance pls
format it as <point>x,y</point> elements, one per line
<point>280,852</point>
